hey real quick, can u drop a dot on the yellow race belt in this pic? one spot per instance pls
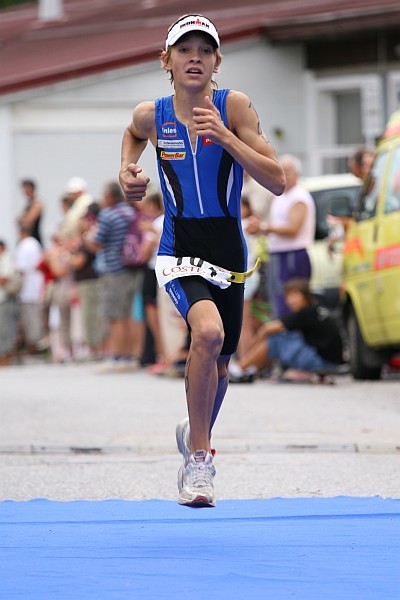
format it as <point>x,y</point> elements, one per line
<point>241,277</point>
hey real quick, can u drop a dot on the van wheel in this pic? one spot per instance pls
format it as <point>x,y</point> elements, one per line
<point>359,352</point>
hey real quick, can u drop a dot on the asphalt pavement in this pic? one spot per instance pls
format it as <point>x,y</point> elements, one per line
<point>68,433</point>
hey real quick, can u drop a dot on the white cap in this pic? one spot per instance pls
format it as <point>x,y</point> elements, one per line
<point>76,184</point>
<point>191,23</point>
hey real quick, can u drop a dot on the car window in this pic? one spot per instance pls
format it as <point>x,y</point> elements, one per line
<point>392,199</point>
<point>323,200</point>
<point>371,189</point>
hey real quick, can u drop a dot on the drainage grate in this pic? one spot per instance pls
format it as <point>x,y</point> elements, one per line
<point>235,448</point>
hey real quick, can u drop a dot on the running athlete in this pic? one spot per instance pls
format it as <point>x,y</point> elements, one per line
<point>204,138</point>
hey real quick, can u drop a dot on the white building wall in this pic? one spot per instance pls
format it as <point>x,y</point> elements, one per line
<point>8,200</point>
<point>273,77</point>
<point>75,128</point>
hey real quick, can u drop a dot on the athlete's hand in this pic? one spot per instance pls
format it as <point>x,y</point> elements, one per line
<point>208,122</point>
<point>133,185</point>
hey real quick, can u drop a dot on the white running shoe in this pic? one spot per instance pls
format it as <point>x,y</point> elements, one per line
<point>182,434</point>
<point>130,365</point>
<point>196,480</point>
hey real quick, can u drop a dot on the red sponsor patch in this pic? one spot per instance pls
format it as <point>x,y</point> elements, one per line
<point>207,141</point>
<point>388,257</point>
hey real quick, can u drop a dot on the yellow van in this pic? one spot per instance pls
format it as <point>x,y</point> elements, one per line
<point>342,189</point>
<point>371,262</point>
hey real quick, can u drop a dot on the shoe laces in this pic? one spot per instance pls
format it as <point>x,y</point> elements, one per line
<point>202,473</point>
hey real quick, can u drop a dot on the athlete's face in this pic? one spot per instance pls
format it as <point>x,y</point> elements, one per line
<point>193,60</point>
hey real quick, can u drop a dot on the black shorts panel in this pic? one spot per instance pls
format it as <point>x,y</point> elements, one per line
<point>150,286</point>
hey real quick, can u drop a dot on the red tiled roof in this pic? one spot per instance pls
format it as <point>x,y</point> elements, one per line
<point>98,35</point>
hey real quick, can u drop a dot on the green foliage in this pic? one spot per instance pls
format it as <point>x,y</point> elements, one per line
<point>10,3</point>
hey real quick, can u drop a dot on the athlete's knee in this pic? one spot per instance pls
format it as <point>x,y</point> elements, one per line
<point>209,336</point>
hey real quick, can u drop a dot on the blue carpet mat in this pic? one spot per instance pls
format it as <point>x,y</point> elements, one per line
<point>303,548</point>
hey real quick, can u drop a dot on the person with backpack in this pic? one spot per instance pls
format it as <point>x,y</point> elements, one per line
<point>118,281</point>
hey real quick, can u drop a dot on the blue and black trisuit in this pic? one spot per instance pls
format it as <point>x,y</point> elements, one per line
<point>201,190</point>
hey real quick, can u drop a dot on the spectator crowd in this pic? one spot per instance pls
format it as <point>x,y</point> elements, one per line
<point>90,292</point>
<point>76,297</point>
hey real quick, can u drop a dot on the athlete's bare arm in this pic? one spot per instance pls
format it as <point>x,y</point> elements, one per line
<point>244,139</point>
<point>134,141</point>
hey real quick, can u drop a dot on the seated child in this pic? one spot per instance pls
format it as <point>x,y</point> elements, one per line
<point>305,341</point>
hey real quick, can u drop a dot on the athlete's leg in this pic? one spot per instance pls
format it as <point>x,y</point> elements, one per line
<point>222,386</point>
<point>202,381</point>
<point>229,303</point>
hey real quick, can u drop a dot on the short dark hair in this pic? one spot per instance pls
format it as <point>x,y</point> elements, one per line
<point>92,212</point>
<point>245,201</point>
<point>114,189</point>
<point>155,200</point>
<point>2,245</point>
<point>93,209</point>
<point>299,284</point>
<point>29,182</point>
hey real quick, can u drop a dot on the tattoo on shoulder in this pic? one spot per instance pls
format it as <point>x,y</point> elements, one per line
<point>260,131</point>
<point>264,137</point>
<point>251,106</point>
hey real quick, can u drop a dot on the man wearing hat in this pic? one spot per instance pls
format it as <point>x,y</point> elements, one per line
<point>79,199</point>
